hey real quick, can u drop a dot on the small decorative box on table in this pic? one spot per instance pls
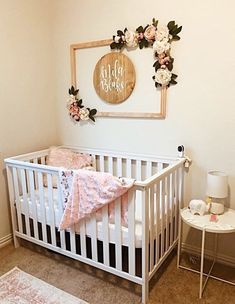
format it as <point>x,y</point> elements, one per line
<point>225,224</point>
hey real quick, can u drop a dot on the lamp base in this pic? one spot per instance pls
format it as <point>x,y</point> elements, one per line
<point>217,208</point>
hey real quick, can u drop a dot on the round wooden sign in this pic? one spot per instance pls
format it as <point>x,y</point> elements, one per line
<point>114,77</point>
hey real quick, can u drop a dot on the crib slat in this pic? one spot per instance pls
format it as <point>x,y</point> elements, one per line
<point>17,195</point>
<point>131,231</point>
<point>101,163</point>
<point>162,186</point>
<point>73,239</point>
<point>52,208</point>
<point>128,168</point>
<point>93,237</point>
<point>138,170</point>
<point>118,234</point>
<point>181,186</point>
<point>158,219</point>
<point>61,211</point>
<point>110,164</point>
<point>171,206</point>
<point>167,210</point>
<point>105,220</point>
<point>83,238</point>
<point>33,201</point>
<point>149,169</point>
<point>151,216</point>
<point>25,200</point>
<point>119,167</point>
<point>159,167</point>
<point>94,161</point>
<point>43,160</point>
<point>145,244</point>
<point>176,203</point>
<point>42,206</point>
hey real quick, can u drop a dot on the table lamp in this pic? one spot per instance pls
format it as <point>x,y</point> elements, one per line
<point>217,190</point>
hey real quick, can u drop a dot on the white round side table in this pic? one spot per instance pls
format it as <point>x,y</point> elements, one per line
<point>225,224</point>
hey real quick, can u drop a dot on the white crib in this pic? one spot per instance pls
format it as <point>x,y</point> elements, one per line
<point>134,252</point>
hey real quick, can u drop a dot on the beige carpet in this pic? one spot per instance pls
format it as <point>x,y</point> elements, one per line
<point>169,286</point>
<point>18,287</point>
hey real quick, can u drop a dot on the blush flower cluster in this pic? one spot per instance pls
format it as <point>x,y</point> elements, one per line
<point>160,39</point>
<point>76,110</point>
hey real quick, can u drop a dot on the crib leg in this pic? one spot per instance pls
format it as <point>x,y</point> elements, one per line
<point>145,292</point>
<point>16,241</point>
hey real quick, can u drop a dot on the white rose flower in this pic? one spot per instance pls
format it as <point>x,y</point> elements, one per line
<point>84,114</point>
<point>131,38</point>
<point>162,33</point>
<point>163,76</point>
<point>161,46</point>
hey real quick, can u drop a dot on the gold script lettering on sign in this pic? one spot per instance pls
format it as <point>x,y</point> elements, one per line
<point>114,77</point>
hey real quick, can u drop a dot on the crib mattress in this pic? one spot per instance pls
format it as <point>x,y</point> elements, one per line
<point>27,208</point>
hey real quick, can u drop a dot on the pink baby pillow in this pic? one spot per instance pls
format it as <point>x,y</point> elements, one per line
<point>66,158</point>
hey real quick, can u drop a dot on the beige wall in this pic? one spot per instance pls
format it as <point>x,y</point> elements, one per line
<point>200,110</point>
<point>27,98</point>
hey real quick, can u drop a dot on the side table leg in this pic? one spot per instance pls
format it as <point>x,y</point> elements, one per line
<point>202,263</point>
<point>179,242</point>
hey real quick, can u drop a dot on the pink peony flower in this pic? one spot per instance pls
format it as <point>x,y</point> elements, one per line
<point>150,32</point>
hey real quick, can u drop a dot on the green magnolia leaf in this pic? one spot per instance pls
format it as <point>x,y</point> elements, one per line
<point>171,24</point>
<point>157,84</point>
<point>153,77</point>
<point>174,76</point>
<point>113,45</point>
<point>145,43</point>
<point>157,66</point>
<point>120,33</point>
<point>140,29</point>
<point>125,30</point>
<point>173,81</point>
<point>120,46</point>
<point>170,66</point>
<point>155,22</point>
<point>141,44</point>
<point>93,112</point>
<point>92,118</point>
<point>178,30</point>
<point>176,38</point>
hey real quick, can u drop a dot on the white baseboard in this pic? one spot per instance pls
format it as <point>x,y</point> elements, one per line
<point>221,258</point>
<point>6,240</point>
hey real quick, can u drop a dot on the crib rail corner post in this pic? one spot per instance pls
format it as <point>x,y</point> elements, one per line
<point>12,206</point>
<point>145,244</point>
<point>181,186</point>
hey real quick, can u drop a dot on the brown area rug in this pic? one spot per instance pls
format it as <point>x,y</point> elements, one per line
<point>20,287</point>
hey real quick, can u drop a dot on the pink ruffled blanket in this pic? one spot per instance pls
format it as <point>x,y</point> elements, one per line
<point>84,192</point>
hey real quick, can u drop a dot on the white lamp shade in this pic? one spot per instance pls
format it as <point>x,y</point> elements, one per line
<point>217,184</point>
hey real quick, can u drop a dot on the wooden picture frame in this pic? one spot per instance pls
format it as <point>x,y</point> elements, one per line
<point>157,115</point>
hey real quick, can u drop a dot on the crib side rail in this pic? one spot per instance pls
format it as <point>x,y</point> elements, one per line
<point>163,198</point>
<point>37,209</point>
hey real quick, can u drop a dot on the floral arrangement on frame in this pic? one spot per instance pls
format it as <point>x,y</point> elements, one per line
<point>160,39</point>
<point>76,109</point>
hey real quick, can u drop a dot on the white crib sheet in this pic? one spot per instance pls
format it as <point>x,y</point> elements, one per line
<point>27,208</point>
